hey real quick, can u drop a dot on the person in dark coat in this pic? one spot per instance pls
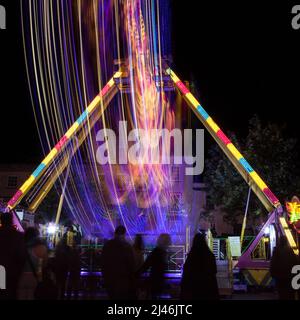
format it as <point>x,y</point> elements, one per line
<point>138,250</point>
<point>34,267</point>
<point>78,233</point>
<point>61,267</point>
<point>74,273</point>
<point>118,267</point>
<point>282,263</point>
<point>12,255</point>
<point>157,262</point>
<point>199,280</point>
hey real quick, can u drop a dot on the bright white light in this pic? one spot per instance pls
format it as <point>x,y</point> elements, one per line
<point>267,231</point>
<point>52,228</point>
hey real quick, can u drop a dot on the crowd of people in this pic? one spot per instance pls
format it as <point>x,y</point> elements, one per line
<point>123,264</point>
<point>31,274</point>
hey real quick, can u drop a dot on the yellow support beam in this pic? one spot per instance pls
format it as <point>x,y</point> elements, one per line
<point>251,177</point>
<point>289,235</point>
<point>61,145</point>
<point>65,160</point>
<point>255,182</point>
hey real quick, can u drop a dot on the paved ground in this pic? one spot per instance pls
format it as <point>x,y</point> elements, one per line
<point>235,297</point>
<point>253,296</point>
<point>97,292</point>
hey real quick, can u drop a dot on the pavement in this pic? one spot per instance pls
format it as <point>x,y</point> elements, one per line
<point>253,296</point>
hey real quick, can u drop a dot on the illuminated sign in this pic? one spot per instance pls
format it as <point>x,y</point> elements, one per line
<point>293,209</point>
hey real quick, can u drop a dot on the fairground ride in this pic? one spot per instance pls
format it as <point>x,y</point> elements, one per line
<point>55,164</point>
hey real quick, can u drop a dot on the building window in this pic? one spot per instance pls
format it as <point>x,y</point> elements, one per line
<point>12,182</point>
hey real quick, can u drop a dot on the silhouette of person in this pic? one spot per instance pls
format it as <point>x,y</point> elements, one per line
<point>67,265</point>
<point>12,255</point>
<point>74,272</point>
<point>157,262</point>
<point>70,236</point>
<point>138,250</point>
<point>78,232</point>
<point>61,266</point>
<point>199,280</point>
<point>118,266</point>
<point>282,262</point>
<point>36,260</point>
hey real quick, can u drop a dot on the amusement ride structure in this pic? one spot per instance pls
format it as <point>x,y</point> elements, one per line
<point>163,79</point>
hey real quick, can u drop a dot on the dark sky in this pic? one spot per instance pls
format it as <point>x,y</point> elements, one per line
<point>244,57</point>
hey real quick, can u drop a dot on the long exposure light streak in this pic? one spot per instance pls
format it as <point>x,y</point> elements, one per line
<point>79,123</point>
<point>70,49</point>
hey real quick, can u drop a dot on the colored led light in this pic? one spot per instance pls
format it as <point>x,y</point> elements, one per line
<point>182,87</point>
<point>289,235</point>
<point>293,208</point>
<point>213,125</point>
<point>174,77</point>
<point>94,104</point>
<point>192,100</point>
<point>270,195</point>
<point>72,130</point>
<point>203,113</point>
<point>258,180</point>
<point>111,83</point>
<point>118,74</point>
<point>15,198</point>
<point>246,165</point>
<point>61,143</point>
<point>105,90</point>
<point>294,217</point>
<point>27,184</point>
<point>283,223</point>
<point>50,157</point>
<point>39,169</point>
<point>234,151</point>
<point>223,137</point>
<point>82,117</point>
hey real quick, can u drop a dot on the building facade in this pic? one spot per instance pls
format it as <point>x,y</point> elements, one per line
<point>12,176</point>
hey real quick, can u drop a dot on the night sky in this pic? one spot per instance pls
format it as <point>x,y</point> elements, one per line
<point>243,56</point>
